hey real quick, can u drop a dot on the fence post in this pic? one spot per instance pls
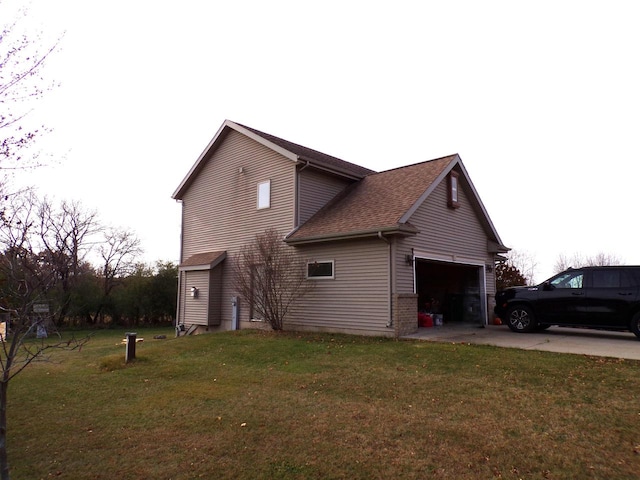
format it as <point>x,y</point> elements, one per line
<point>130,353</point>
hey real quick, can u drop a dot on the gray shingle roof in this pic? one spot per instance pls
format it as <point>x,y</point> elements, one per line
<point>376,203</point>
<point>203,261</point>
<point>295,152</point>
<point>319,158</point>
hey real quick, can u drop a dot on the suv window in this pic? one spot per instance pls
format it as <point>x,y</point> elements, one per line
<point>606,278</point>
<point>611,278</point>
<point>568,280</point>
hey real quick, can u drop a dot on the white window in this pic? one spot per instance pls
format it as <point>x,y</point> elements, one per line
<point>452,199</point>
<point>264,194</point>
<point>454,189</point>
<point>320,270</point>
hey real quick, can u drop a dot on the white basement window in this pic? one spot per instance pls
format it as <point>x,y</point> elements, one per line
<point>264,194</point>
<point>320,270</point>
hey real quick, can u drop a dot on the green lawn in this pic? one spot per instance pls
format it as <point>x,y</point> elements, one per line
<point>251,405</point>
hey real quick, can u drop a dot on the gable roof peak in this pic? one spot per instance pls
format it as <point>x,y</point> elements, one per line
<point>308,155</point>
<point>424,164</point>
<point>290,150</point>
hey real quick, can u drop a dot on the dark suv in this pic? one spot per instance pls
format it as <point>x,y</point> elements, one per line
<point>596,297</point>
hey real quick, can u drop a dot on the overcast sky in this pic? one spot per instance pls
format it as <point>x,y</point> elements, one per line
<point>540,99</point>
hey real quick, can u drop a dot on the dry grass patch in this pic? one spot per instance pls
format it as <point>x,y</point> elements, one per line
<point>251,405</point>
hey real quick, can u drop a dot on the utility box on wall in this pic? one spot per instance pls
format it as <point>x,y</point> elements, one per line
<point>235,310</point>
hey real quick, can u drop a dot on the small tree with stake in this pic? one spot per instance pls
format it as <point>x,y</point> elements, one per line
<point>25,281</point>
<point>271,277</point>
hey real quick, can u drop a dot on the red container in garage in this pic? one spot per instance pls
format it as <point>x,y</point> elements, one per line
<point>425,320</point>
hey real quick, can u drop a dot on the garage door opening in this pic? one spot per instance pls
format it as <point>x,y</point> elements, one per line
<point>455,291</point>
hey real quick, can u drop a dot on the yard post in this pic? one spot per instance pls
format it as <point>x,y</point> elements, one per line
<point>130,353</point>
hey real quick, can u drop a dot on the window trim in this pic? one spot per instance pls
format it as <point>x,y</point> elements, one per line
<point>321,277</point>
<point>261,205</point>
<point>453,189</point>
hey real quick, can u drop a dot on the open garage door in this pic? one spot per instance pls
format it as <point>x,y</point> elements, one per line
<point>454,290</point>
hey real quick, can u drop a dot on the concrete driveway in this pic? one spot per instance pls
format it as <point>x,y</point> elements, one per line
<point>556,339</point>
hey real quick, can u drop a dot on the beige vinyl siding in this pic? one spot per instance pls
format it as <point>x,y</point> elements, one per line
<point>450,234</point>
<point>181,296</point>
<point>215,293</point>
<point>220,207</point>
<point>315,190</point>
<point>220,211</point>
<point>196,309</point>
<point>358,299</point>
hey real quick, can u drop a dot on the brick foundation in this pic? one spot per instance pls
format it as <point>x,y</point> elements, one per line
<point>405,314</point>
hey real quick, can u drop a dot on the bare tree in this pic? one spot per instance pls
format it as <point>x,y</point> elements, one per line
<point>119,252</point>
<point>65,233</point>
<point>578,260</point>
<point>563,262</point>
<point>602,259</point>
<point>525,263</point>
<point>270,277</point>
<point>26,312</point>
<point>22,61</point>
<point>67,230</point>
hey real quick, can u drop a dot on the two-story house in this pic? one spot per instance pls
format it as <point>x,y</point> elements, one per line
<point>387,244</point>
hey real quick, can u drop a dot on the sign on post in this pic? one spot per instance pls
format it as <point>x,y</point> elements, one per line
<point>40,308</point>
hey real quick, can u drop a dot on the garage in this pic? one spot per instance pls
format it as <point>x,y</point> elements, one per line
<point>452,292</point>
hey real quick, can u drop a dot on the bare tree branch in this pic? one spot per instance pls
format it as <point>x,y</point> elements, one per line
<point>270,277</point>
<point>22,84</point>
<point>579,260</point>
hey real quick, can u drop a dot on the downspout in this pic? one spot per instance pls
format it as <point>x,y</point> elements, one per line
<point>306,164</point>
<point>178,303</point>
<point>179,272</point>
<point>390,267</point>
<point>484,302</point>
<point>296,213</point>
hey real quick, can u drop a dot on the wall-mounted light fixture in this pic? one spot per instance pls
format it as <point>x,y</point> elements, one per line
<point>194,292</point>
<point>409,259</point>
<point>489,268</point>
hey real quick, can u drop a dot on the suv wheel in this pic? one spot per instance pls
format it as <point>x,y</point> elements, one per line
<point>635,324</point>
<point>520,319</point>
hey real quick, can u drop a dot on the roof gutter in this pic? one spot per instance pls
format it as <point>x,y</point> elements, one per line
<point>335,171</point>
<point>306,163</point>
<point>405,230</point>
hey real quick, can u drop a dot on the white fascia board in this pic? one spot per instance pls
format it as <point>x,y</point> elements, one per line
<point>234,126</point>
<point>196,165</point>
<point>480,204</point>
<point>456,161</point>
<point>284,152</point>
